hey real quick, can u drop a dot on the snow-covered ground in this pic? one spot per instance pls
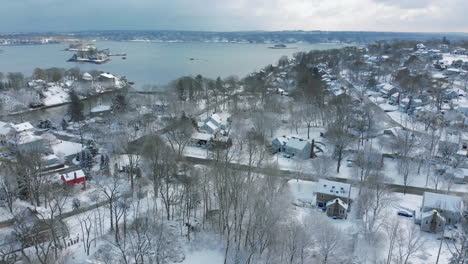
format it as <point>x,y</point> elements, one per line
<point>55,95</point>
<point>66,148</point>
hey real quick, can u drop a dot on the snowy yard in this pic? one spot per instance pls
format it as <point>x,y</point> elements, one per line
<point>55,95</point>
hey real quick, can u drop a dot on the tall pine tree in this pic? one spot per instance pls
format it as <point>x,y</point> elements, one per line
<point>75,110</point>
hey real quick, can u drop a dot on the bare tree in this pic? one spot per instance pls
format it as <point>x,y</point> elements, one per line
<point>179,134</point>
<point>86,225</point>
<point>409,243</point>
<point>328,238</point>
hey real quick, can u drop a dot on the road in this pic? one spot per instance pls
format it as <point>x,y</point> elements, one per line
<point>289,175</point>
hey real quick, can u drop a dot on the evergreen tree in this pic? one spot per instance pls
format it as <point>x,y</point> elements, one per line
<point>119,103</point>
<point>64,124</point>
<point>75,109</point>
<point>86,160</point>
<point>91,146</point>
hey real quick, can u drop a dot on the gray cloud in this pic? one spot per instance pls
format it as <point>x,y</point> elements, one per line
<point>229,15</point>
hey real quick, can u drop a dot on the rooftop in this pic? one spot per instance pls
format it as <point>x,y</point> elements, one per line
<point>334,188</point>
<point>71,175</point>
<point>442,202</point>
<point>23,127</point>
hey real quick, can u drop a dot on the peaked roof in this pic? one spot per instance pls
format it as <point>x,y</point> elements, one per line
<point>442,202</point>
<point>334,188</point>
<point>297,143</point>
<point>71,175</point>
<point>22,127</point>
<point>430,213</point>
<point>340,202</point>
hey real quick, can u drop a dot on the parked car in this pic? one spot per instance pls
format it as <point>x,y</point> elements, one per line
<point>405,214</point>
<point>286,155</point>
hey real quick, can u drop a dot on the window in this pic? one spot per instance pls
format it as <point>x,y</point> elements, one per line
<point>341,211</point>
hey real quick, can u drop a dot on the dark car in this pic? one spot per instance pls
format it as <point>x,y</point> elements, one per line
<point>405,214</point>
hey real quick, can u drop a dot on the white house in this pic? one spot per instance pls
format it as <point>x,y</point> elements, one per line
<point>201,139</point>
<point>450,207</point>
<point>432,221</point>
<point>213,124</point>
<point>386,89</point>
<point>87,77</point>
<point>298,147</point>
<point>23,127</point>
<point>294,146</point>
<point>327,191</point>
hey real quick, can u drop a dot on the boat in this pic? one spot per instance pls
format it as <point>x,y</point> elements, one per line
<point>281,46</point>
<point>192,59</point>
<point>124,58</point>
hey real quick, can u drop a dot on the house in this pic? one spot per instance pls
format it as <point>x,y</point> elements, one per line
<point>210,127</point>
<point>100,110</point>
<point>293,146</point>
<point>432,221</point>
<point>330,190</point>
<point>409,104</point>
<point>201,139</point>
<point>27,141</point>
<point>74,177</point>
<point>279,143</point>
<point>386,89</point>
<point>87,77</point>
<point>395,98</point>
<point>337,209</point>
<point>420,46</point>
<point>298,147</point>
<point>23,127</point>
<point>450,207</point>
<point>213,124</point>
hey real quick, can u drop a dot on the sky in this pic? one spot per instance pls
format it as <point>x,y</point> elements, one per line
<point>234,15</point>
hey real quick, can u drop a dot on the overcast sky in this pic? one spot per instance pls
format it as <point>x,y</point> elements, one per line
<point>234,15</point>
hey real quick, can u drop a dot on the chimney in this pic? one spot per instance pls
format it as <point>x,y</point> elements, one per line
<point>312,153</point>
<point>433,227</point>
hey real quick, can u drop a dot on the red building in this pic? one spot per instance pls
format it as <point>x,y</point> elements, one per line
<point>74,177</point>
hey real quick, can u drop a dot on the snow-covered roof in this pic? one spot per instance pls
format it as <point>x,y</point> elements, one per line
<point>216,118</point>
<point>334,188</point>
<point>386,87</point>
<point>201,136</point>
<point>87,76</point>
<point>340,202</point>
<point>430,213</point>
<point>212,125</point>
<point>107,75</point>
<point>442,202</point>
<point>71,175</point>
<point>297,143</point>
<point>26,137</point>
<point>282,140</point>
<point>439,76</point>
<point>100,108</point>
<point>23,127</point>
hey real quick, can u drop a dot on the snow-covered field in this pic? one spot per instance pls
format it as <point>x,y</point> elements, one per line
<point>55,95</point>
